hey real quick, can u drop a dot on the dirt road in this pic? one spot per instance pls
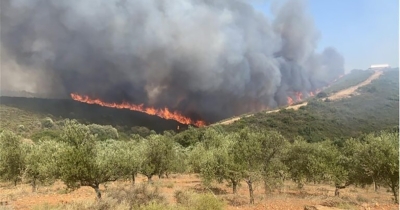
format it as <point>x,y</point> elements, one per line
<point>338,95</point>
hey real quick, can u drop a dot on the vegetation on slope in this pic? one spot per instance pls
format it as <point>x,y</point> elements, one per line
<point>17,113</point>
<point>355,77</point>
<point>19,120</point>
<point>374,108</point>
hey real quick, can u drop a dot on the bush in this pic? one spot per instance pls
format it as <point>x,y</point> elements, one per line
<point>183,197</point>
<point>206,202</point>
<point>103,132</point>
<point>103,204</point>
<point>196,201</point>
<point>361,198</point>
<point>236,200</point>
<point>322,95</point>
<point>158,206</point>
<point>43,134</point>
<point>47,123</point>
<point>137,196</point>
<point>21,128</point>
<point>339,202</point>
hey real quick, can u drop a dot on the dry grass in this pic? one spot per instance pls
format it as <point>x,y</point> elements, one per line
<point>117,196</point>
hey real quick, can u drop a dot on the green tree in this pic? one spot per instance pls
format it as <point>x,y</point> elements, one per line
<point>214,158</point>
<point>47,133</point>
<point>103,132</point>
<point>255,152</point>
<point>376,159</point>
<point>41,163</point>
<point>142,131</point>
<point>160,154</point>
<point>12,157</point>
<point>189,136</point>
<point>47,123</point>
<point>85,162</point>
<point>131,157</point>
<point>314,162</point>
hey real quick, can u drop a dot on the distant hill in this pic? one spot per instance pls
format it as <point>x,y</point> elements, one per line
<point>12,93</point>
<point>16,111</point>
<point>353,78</point>
<point>374,107</point>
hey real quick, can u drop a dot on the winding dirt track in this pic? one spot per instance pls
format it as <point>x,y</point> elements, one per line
<point>338,95</point>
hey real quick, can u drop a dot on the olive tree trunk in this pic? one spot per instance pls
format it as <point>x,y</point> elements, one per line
<point>251,190</point>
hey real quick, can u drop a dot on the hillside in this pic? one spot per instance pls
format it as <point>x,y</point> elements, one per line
<point>371,108</point>
<point>355,77</point>
<point>317,120</point>
<point>340,87</point>
<point>16,111</point>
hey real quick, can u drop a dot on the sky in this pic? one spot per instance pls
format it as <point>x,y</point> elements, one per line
<point>365,32</point>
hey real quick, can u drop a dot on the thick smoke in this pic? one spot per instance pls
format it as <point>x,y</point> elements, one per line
<point>206,58</point>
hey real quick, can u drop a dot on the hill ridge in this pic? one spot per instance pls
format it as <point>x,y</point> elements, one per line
<point>338,95</point>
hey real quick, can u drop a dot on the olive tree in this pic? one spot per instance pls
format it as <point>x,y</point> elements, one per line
<point>41,163</point>
<point>83,161</point>
<point>12,158</point>
<point>131,157</point>
<point>314,162</point>
<point>159,156</point>
<point>254,152</point>
<point>214,160</point>
<point>376,159</point>
<point>103,132</point>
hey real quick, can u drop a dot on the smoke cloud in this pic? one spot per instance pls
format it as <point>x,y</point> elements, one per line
<point>208,59</point>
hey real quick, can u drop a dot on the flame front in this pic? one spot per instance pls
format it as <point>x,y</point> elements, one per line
<point>290,100</point>
<point>163,113</point>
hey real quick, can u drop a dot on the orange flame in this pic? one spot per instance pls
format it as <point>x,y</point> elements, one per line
<point>299,96</point>
<point>163,113</point>
<point>290,100</point>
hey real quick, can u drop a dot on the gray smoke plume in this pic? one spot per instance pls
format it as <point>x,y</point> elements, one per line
<point>208,59</point>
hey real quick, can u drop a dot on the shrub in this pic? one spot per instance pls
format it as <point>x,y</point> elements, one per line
<point>137,196</point>
<point>183,197</point>
<point>103,132</point>
<point>191,200</point>
<point>43,134</point>
<point>21,128</point>
<point>343,202</point>
<point>236,200</point>
<point>103,204</point>
<point>47,123</point>
<point>206,202</point>
<point>322,95</point>
<point>361,198</point>
<point>158,206</point>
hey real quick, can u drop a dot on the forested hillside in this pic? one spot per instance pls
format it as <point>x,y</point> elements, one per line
<point>374,107</point>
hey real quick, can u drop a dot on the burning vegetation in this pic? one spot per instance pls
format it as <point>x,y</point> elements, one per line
<point>163,113</point>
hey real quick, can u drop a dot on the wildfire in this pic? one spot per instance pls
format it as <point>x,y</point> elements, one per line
<point>290,100</point>
<point>299,96</point>
<point>163,113</point>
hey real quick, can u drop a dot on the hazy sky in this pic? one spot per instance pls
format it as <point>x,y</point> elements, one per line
<point>365,32</point>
